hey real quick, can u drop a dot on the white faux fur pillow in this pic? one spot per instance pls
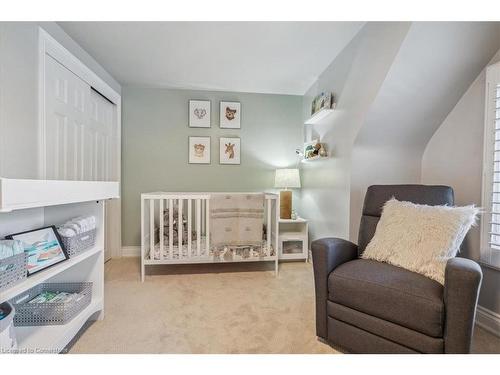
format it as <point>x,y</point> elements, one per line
<point>418,237</point>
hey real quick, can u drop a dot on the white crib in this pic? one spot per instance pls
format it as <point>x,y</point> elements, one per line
<point>195,209</point>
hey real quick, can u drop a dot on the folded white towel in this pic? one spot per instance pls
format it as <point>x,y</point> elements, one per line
<point>77,225</point>
<point>10,248</point>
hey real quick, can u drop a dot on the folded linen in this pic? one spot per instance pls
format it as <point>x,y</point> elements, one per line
<point>77,225</point>
<point>9,248</point>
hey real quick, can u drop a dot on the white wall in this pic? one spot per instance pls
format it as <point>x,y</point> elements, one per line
<point>19,93</point>
<point>454,157</point>
<point>355,77</point>
<point>426,79</point>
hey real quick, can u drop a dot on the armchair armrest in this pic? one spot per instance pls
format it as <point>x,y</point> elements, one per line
<point>327,254</point>
<point>461,290</point>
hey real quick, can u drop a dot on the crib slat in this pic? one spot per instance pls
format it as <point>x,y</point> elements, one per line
<point>207,225</point>
<point>152,227</point>
<point>171,228</point>
<point>180,227</point>
<point>198,226</point>
<point>269,226</point>
<point>162,229</point>
<point>189,218</point>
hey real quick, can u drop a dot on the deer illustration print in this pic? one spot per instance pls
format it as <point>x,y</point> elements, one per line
<point>230,150</point>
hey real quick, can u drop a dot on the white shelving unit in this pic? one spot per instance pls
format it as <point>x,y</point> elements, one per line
<point>293,239</point>
<point>17,194</point>
<point>30,204</point>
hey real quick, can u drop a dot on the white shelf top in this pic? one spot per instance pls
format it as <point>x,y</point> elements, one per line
<point>44,275</point>
<point>18,194</point>
<point>297,220</point>
<point>57,336</point>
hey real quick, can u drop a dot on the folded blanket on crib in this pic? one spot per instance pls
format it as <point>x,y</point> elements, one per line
<point>236,219</point>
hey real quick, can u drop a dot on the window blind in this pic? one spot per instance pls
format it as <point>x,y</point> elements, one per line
<point>490,222</point>
<point>494,233</point>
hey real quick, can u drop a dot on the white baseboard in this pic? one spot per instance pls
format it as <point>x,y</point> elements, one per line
<point>131,251</point>
<point>488,320</point>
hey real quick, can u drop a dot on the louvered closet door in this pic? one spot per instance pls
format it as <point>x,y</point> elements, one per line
<point>81,136</point>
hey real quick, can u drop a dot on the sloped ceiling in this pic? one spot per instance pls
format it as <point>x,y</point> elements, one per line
<point>262,57</point>
<point>435,65</point>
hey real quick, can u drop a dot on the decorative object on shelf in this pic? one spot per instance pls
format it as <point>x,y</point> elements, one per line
<point>294,215</point>
<point>51,303</point>
<point>230,115</point>
<point>199,113</point>
<point>78,234</point>
<point>199,150</point>
<point>13,263</point>
<point>43,246</point>
<point>286,178</point>
<point>7,334</point>
<point>322,101</point>
<point>312,149</point>
<point>229,150</point>
<point>322,151</point>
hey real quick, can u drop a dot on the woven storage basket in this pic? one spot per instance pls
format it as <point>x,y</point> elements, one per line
<point>50,313</point>
<point>16,270</point>
<point>79,243</point>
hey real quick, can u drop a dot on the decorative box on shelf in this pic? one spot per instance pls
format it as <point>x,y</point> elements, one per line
<point>321,107</point>
<point>293,239</point>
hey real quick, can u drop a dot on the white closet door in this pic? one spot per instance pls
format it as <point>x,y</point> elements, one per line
<point>103,139</point>
<point>81,133</point>
<point>67,100</point>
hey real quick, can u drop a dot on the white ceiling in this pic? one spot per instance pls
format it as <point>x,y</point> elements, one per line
<point>263,57</point>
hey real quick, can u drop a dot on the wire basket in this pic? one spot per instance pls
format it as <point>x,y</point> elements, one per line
<point>13,270</point>
<point>50,313</point>
<point>79,243</point>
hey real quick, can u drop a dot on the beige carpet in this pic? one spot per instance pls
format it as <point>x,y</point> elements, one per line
<point>182,310</point>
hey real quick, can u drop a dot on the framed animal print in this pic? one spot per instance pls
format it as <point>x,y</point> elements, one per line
<point>199,113</point>
<point>229,150</point>
<point>199,150</point>
<point>230,115</point>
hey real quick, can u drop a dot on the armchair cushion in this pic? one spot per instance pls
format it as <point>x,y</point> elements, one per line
<point>391,293</point>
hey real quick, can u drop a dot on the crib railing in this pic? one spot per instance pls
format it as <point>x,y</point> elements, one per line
<point>193,211</point>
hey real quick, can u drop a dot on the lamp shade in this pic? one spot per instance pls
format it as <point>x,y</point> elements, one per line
<point>287,178</point>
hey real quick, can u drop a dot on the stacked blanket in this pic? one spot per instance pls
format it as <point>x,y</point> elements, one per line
<point>236,220</point>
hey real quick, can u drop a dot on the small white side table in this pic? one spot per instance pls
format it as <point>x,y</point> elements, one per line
<point>293,239</point>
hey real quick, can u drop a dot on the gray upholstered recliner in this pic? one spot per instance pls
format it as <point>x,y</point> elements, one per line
<point>364,306</point>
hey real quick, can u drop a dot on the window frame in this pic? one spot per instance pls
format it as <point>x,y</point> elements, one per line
<point>488,255</point>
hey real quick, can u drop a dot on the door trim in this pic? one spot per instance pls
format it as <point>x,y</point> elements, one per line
<point>47,45</point>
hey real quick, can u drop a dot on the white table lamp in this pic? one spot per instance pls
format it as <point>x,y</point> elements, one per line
<point>287,179</point>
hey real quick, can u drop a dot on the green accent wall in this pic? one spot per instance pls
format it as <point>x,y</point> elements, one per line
<point>155,135</point>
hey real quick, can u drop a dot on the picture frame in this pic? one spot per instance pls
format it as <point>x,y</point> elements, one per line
<point>199,113</point>
<point>230,150</point>
<point>199,150</point>
<point>322,101</point>
<point>44,247</point>
<point>230,115</point>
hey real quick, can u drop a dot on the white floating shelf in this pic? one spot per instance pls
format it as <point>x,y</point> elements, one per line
<point>18,194</point>
<point>44,275</point>
<point>319,116</point>
<point>315,158</point>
